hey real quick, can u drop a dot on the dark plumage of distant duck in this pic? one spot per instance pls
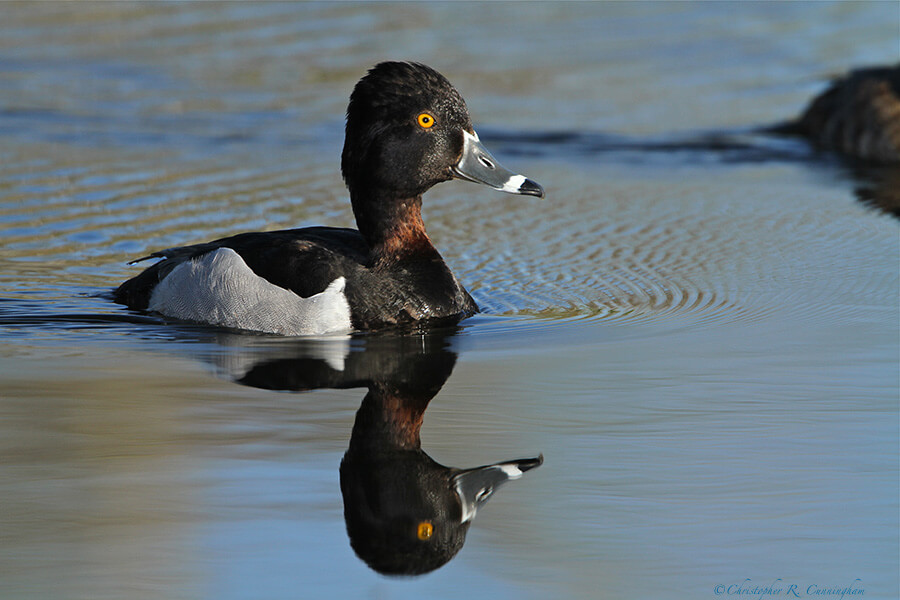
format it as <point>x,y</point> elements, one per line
<point>407,130</point>
<point>858,115</point>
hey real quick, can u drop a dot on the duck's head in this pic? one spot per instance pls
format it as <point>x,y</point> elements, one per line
<point>408,515</point>
<point>409,129</point>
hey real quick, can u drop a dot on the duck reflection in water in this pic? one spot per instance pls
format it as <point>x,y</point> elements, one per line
<point>405,513</point>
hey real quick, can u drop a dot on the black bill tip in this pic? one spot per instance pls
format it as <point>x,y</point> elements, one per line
<point>531,188</point>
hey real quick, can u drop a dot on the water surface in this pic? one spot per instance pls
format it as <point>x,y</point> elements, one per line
<point>698,328</point>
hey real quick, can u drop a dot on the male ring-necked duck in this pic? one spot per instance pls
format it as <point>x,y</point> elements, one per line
<point>407,130</point>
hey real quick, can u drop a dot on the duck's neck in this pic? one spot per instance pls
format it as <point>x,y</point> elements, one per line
<point>389,418</point>
<point>392,227</point>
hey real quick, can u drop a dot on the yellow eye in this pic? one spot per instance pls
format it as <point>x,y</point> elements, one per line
<point>425,120</point>
<point>425,529</point>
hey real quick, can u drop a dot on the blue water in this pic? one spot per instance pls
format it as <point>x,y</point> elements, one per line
<point>698,327</point>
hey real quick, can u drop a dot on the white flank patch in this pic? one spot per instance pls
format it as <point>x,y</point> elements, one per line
<point>242,353</point>
<point>220,289</point>
<point>513,183</point>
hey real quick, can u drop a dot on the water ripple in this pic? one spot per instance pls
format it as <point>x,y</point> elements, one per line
<point>701,250</point>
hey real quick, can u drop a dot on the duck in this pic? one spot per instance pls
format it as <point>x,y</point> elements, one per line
<point>407,129</point>
<point>405,513</point>
<point>857,116</point>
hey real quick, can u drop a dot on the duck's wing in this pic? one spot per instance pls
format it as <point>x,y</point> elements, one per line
<point>304,261</point>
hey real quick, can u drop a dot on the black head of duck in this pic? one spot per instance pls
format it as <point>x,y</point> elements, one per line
<point>407,514</point>
<point>408,129</point>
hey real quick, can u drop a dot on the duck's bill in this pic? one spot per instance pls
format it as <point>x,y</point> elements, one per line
<point>475,486</point>
<point>479,166</point>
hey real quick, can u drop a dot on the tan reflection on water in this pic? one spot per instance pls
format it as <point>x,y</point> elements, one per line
<point>94,487</point>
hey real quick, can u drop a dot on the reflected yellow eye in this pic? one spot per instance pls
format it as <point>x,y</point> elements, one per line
<point>425,529</point>
<point>425,120</point>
